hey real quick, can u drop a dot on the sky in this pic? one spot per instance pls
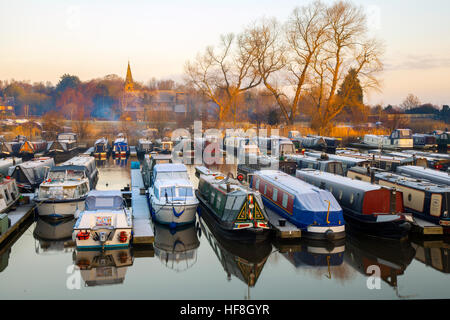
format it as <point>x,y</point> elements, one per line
<point>40,40</point>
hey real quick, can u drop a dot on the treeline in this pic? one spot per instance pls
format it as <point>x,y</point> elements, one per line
<point>309,64</point>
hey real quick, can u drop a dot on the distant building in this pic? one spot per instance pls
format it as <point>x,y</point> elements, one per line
<point>7,111</point>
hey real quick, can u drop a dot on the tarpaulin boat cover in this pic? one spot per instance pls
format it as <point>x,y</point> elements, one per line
<point>104,200</point>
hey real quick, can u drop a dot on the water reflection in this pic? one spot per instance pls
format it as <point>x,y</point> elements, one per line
<point>435,254</point>
<point>53,236</point>
<point>176,249</point>
<point>244,261</point>
<point>121,161</point>
<point>99,268</point>
<point>392,257</point>
<point>323,256</point>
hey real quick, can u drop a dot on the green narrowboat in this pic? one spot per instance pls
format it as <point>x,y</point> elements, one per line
<point>236,211</point>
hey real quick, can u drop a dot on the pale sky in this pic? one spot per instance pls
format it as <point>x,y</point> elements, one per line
<point>42,39</point>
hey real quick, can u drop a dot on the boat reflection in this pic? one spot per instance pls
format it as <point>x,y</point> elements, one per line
<point>313,253</point>
<point>100,163</point>
<point>121,161</point>
<point>435,254</point>
<point>99,268</point>
<point>176,249</point>
<point>392,257</point>
<point>244,261</point>
<point>53,236</point>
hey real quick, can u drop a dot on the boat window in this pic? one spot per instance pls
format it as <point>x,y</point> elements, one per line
<point>265,188</point>
<point>409,197</point>
<point>352,198</point>
<point>275,194</point>
<point>213,195</point>
<point>156,191</point>
<point>6,194</point>
<point>172,175</point>
<point>330,189</point>
<point>84,188</point>
<point>238,203</point>
<point>229,203</point>
<point>218,201</point>
<point>285,200</point>
<point>185,192</point>
<point>257,184</point>
<point>340,194</point>
<point>56,175</point>
<point>170,191</point>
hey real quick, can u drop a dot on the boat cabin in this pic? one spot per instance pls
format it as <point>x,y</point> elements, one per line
<point>30,174</point>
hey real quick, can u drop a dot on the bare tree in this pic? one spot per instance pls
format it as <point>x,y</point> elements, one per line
<point>410,102</point>
<point>224,74</point>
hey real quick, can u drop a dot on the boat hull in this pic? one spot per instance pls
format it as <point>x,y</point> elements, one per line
<point>395,229</point>
<point>166,214</point>
<point>59,209</point>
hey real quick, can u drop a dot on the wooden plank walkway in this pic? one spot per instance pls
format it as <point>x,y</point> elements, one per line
<point>142,229</point>
<point>288,231</point>
<point>18,217</point>
<point>423,227</point>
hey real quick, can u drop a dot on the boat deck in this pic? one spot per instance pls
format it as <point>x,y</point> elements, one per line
<point>426,228</point>
<point>288,231</point>
<point>142,230</point>
<point>18,217</point>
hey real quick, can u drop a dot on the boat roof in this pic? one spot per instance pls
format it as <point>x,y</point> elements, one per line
<point>97,200</point>
<point>423,184</point>
<point>81,160</point>
<point>38,162</point>
<point>425,172</point>
<point>169,167</point>
<point>337,157</point>
<point>173,182</point>
<point>336,179</point>
<point>288,182</point>
<point>68,167</point>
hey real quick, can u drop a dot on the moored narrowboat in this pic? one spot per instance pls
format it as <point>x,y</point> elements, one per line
<point>398,139</point>
<point>29,148</point>
<point>64,147</point>
<point>372,209</point>
<point>323,163</point>
<point>30,174</point>
<point>436,176</point>
<point>145,146</point>
<point>102,149</point>
<point>120,147</point>
<point>237,211</point>
<point>424,141</point>
<point>315,211</point>
<point>424,199</point>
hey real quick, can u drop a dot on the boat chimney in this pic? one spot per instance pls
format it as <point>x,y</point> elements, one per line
<point>228,187</point>
<point>372,176</point>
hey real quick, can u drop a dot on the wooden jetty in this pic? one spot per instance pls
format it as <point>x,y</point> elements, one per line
<point>288,231</point>
<point>18,217</point>
<point>426,228</point>
<point>142,230</point>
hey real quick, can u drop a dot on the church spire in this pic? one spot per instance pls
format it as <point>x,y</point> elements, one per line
<point>129,86</point>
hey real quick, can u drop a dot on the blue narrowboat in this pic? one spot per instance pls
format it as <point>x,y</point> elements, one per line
<point>315,211</point>
<point>120,147</point>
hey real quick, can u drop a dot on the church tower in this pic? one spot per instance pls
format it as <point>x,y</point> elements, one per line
<point>129,86</point>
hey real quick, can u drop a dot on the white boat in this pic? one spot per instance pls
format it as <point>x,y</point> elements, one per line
<point>89,163</point>
<point>171,197</point>
<point>399,139</point>
<point>63,191</point>
<point>30,174</point>
<point>106,222</point>
<point>9,193</point>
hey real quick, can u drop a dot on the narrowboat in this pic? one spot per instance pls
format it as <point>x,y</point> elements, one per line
<point>6,149</point>
<point>295,137</point>
<point>235,211</point>
<point>9,194</point>
<point>105,222</point>
<point>398,139</point>
<point>438,161</point>
<point>424,141</point>
<point>313,142</point>
<point>149,162</point>
<point>322,164</point>
<point>103,268</point>
<point>171,195</point>
<point>163,146</point>
<point>385,162</point>
<point>29,149</point>
<point>145,146</point>
<point>347,162</point>
<point>240,146</point>
<point>120,147</point>
<point>7,163</point>
<point>176,249</point>
<point>443,140</point>
<point>89,164</point>
<point>102,149</point>
<point>424,199</point>
<point>372,209</point>
<point>244,261</point>
<point>315,211</point>
<point>64,147</point>
<point>331,143</point>
<point>411,159</point>
<point>435,176</point>
<point>63,191</point>
<point>30,174</point>
<point>273,145</point>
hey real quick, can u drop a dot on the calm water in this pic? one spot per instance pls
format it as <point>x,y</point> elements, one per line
<point>193,263</point>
